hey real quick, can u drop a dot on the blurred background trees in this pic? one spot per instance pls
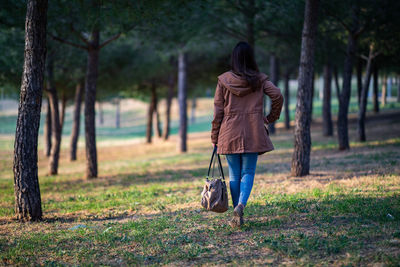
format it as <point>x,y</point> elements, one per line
<point>102,53</point>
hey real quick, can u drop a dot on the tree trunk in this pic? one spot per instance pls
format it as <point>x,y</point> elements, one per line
<point>62,114</point>
<point>384,90</point>
<point>302,136</point>
<point>117,113</point>
<point>149,130</point>
<point>90,98</point>
<point>55,118</point>
<point>398,89</point>
<point>344,96</point>
<point>326,102</point>
<point>182,95</point>
<point>26,185</point>
<point>337,86</point>
<point>193,114</point>
<point>375,96</point>
<point>171,85</point>
<point>274,72</point>
<point>47,131</point>
<point>359,79</point>
<point>363,100</point>
<point>76,121</point>
<point>157,122</point>
<point>156,114</point>
<point>312,93</point>
<point>287,98</point>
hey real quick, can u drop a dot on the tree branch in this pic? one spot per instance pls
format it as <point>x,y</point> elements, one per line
<point>289,36</point>
<point>347,28</point>
<point>335,74</point>
<point>374,55</point>
<point>110,40</point>
<point>68,42</point>
<point>377,53</point>
<point>357,33</point>
<point>79,34</point>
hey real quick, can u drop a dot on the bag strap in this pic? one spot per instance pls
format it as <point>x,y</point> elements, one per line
<point>211,161</point>
<point>221,171</point>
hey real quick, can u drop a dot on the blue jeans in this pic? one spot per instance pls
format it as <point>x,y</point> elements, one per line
<point>242,168</point>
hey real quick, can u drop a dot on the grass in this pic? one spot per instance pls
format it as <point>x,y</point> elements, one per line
<point>145,207</point>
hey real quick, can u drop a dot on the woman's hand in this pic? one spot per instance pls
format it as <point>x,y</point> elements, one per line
<point>265,120</point>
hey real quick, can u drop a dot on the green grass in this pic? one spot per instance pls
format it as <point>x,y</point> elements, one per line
<point>144,209</point>
<point>308,226</point>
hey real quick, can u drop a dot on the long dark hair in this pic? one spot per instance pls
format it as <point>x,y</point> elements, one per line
<point>244,64</point>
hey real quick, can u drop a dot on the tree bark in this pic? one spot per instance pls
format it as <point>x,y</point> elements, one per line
<point>149,130</point>
<point>274,72</point>
<point>337,86</point>
<point>76,121</point>
<point>326,102</point>
<point>170,94</point>
<point>26,185</point>
<point>193,110</point>
<point>312,93</point>
<point>117,113</point>
<point>398,89</point>
<point>182,96</point>
<point>363,100</point>
<point>62,114</point>
<point>156,114</point>
<point>375,96</point>
<point>157,122</point>
<point>344,96</point>
<point>384,90</point>
<point>90,98</point>
<point>359,79</point>
<point>47,131</point>
<point>55,118</point>
<point>302,136</point>
<point>287,98</point>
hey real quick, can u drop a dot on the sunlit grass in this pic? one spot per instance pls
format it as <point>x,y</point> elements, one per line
<point>145,206</point>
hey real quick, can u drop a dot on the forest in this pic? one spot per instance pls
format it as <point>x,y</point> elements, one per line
<point>105,120</point>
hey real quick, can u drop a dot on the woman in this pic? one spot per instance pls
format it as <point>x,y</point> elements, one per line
<point>238,127</point>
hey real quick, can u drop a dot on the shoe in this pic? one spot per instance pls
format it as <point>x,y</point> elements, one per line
<point>239,210</point>
<point>237,219</point>
<point>236,222</point>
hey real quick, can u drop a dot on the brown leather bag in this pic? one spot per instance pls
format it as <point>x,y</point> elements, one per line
<point>215,194</point>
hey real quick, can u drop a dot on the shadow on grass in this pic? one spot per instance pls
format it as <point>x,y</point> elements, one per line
<point>154,177</point>
<point>280,164</point>
<point>326,226</point>
<point>288,226</point>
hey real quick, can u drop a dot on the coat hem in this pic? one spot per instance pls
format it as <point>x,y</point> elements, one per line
<point>243,151</point>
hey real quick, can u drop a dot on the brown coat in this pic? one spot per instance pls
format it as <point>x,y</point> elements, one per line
<point>238,125</point>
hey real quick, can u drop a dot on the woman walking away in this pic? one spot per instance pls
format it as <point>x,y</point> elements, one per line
<point>238,127</point>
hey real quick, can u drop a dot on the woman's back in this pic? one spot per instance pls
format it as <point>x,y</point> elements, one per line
<point>239,97</point>
<point>238,125</point>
